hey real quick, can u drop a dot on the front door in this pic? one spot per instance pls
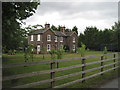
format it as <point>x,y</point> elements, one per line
<point>38,49</point>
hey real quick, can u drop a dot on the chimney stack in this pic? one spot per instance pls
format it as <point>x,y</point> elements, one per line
<point>47,26</point>
<point>63,29</point>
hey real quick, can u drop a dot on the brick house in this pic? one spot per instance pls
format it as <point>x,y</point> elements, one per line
<point>50,39</point>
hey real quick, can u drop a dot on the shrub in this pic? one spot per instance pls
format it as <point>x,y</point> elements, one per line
<point>53,53</point>
<point>28,52</point>
<point>60,53</point>
<point>105,50</point>
<point>43,50</point>
<point>82,50</point>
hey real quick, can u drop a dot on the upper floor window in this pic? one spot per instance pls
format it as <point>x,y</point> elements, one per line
<point>38,37</point>
<point>55,38</point>
<point>73,39</point>
<point>31,39</point>
<point>48,37</point>
<point>61,39</point>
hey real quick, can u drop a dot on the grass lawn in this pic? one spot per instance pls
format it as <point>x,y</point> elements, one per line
<point>19,58</point>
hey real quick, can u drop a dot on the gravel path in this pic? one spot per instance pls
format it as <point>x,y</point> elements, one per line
<point>112,84</point>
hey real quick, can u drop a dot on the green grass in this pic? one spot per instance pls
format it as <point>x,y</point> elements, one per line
<point>19,58</point>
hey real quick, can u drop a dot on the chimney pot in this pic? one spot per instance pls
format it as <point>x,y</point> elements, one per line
<point>63,29</point>
<point>47,26</point>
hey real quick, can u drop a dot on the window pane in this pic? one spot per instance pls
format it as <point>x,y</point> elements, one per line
<point>38,37</point>
<point>31,37</point>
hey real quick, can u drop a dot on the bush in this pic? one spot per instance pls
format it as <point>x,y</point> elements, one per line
<point>105,50</point>
<point>52,53</point>
<point>82,50</point>
<point>60,53</point>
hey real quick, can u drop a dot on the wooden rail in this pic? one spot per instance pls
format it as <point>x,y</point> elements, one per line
<point>53,70</point>
<point>50,61</point>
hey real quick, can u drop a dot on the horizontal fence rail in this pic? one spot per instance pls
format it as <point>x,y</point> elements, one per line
<point>49,71</point>
<point>64,85</point>
<point>53,70</point>
<point>49,61</point>
<point>61,77</point>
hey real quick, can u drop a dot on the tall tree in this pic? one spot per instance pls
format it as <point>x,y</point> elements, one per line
<point>13,13</point>
<point>90,37</point>
<point>54,28</point>
<point>75,29</point>
<point>116,28</point>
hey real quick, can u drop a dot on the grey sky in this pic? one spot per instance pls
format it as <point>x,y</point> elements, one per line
<point>80,14</point>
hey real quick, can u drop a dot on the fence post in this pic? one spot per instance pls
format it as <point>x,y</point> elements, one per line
<point>83,69</point>
<point>114,60</point>
<point>57,65</point>
<point>102,57</point>
<point>52,66</point>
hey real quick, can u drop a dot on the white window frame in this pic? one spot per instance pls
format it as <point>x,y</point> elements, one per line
<point>73,39</point>
<point>31,38</point>
<point>61,39</point>
<point>55,38</point>
<point>73,47</point>
<point>48,37</point>
<point>38,37</point>
<point>48,47</point>
<point>38,49</point>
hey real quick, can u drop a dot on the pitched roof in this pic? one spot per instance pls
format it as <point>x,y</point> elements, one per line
<point>39,31</point>
<point>57,33</point>
<point>68,33</point>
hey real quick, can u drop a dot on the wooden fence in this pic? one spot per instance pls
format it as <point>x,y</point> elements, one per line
<point>53,70</point>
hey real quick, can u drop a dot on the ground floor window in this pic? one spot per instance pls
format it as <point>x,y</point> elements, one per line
<point>73,47</point>
<point>48,47</point>
<point>38,49</point>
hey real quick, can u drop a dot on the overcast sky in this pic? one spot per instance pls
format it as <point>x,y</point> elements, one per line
<point>80,14</point>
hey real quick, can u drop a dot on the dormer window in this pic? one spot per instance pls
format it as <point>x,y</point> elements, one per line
<point>31,38</point>
<point>73,39</point>
<point>38,37</point>
<point>55,38</point>
<point>48,37</point>
<point>61,39</point>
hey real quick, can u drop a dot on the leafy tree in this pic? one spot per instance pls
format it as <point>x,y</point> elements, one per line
<point>105,50</point>
<point>60,53</point>
<point>67,30</point>
<point>28,53</point>
<point>116,29</point>
<point>82,50</point>
<point>54,28</point>
<point>75,29</point>
<point>43,50</point>
<point>90,38</point>
<point>13,13</point>
<point>53,54</point>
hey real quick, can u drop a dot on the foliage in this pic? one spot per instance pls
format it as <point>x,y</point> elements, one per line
<point>28,53</point>
<point>14,13</point>
<point>75,29</point>
<point>66,48</point>
<point>43,50</point>
<point>82,50</point>
<point>60,53</point>
<point>53,54</point>
<point>96,39</point>
<point>105,50</point>
<point>54,28</point>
